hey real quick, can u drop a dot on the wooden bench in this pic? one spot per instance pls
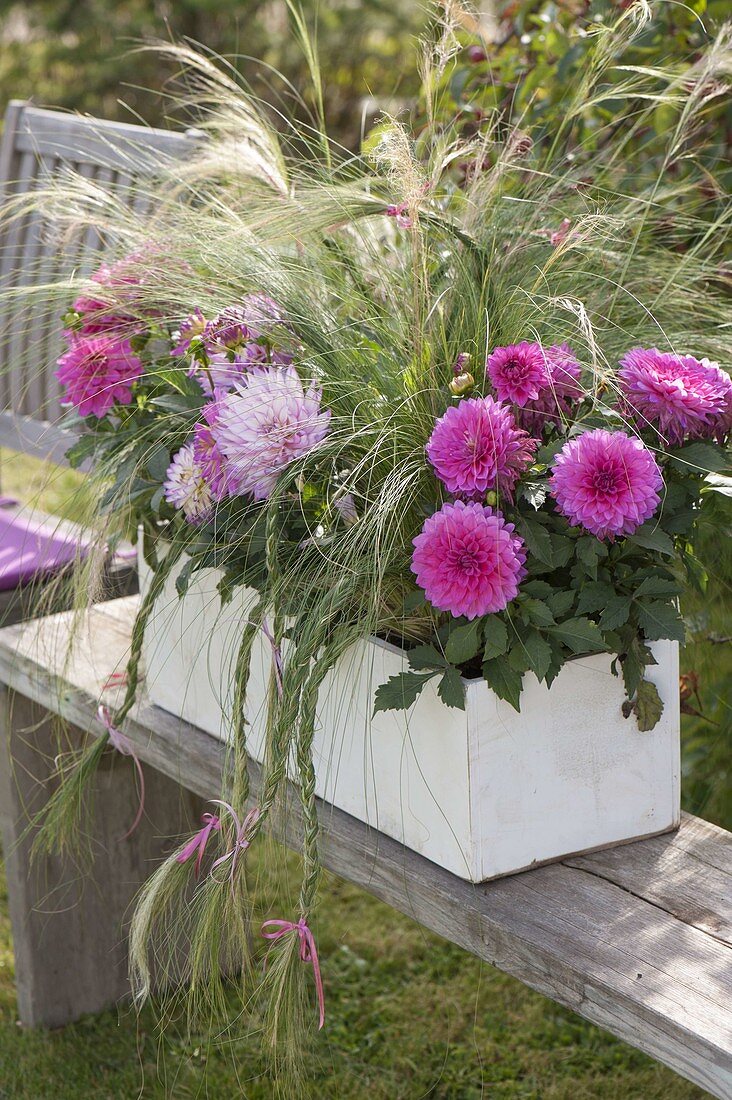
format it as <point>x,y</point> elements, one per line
<point>37,146</point>
<point>637,939</point>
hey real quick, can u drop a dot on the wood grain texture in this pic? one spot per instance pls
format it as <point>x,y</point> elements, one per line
<point>613,936</point>
<point>69,928</point>
<point>36,146</point>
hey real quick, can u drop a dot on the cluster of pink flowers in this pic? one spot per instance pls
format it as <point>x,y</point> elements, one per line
<point>232,344</point>
<point>467,558</point>
<point>100,367</point>
<point>543,383</point>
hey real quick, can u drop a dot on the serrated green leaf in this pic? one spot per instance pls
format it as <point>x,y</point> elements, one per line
<point>562,550</point>
<point>647,706</point>
<point>504,681</point>
<point>580,635</point>
<point>157,463</point>
<point>651,537</point>
<point>79,451</point>
<point>537,539</point>
<point>659,619</point>
<point>615,612</point>
<point>496,637</point>
<point>400,691</point>
<point>594,596</point>
<point>539,653</point>
<point>695,457</point>
<point>589,551</point>
<point>426,656</point>
<point>633,665</point>
<point>537,612</point>
<point>561,602</point>
<point>657,586</point>
<point>463,643</point>
<point>452,689</point>
<point>539,589</point>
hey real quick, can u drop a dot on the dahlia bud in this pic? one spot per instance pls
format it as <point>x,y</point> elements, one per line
<point>462,383</point>
<point>462,380</point>
<point>476,54</point>
<point>491,499</point>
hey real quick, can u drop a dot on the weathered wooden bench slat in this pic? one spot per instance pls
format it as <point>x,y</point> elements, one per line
<point>613,936</point>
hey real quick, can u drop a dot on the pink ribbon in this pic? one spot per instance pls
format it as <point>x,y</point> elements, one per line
<point>124,746</point>
<point>211,823</point>
<point>241,838</point>
<point>276,655</point>
<point>308,953</point>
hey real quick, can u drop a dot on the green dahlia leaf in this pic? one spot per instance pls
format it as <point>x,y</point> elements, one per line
<point>580,635</point>
<point>400,691</point>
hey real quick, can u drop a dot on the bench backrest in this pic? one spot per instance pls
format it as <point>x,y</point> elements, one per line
<point>36,145</point>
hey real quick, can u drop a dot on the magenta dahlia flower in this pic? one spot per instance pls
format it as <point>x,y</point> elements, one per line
<point>468,560</point>
<point>542,382</point>
<point>476,446</point>
<point>556,399</point>
<point>607,482</point>
<point>685,397</point>
<point>185,486</point>
<point>98,371</point>
<point>518,373</point>
<point>265,423</point>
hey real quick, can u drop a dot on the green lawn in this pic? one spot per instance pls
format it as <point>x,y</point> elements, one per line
<point>409,1016</point>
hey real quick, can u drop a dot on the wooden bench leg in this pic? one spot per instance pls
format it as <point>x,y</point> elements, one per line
<point>69,929</point>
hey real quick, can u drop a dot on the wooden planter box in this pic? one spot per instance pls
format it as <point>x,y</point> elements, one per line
<point>482,792</point>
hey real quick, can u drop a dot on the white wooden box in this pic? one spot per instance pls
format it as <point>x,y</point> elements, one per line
<point>482,792</point>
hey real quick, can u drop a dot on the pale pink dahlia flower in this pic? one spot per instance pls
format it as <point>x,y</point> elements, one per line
<point>468,560</point>
<point>607,482</point>
<point>97,371</point>
<point>185,486</point>
<point>476,446</point>
<point>265,423</point>
<point>683,396</point>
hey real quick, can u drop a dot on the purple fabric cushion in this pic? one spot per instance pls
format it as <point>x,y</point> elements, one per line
<point>29,548</point>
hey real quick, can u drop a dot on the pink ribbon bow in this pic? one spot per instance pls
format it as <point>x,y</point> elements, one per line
<point>308,953</point>
<point>124,746</point>
<point>241,838</point>
<point>211,823</point>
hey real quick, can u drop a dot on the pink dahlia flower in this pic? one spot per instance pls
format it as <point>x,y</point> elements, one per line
<point>468,560</point>
<point>607,482</point>
<point>476,446</point>
<point>186,487</point>
<point>685,397</point>
<point>97,371</point>
<point>212,464</point>
<point>265,423</point>
<point>106,310</point>
<point>542,382</point>
<point>556,399</point>
<point>518,372</point>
